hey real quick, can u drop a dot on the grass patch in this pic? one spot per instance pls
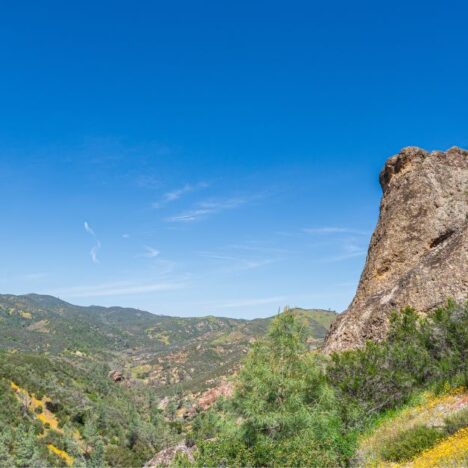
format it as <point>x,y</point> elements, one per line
<point>457,421</point>
<point>410,443</point>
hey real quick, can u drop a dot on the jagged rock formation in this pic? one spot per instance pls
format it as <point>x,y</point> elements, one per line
<point>418,252</point>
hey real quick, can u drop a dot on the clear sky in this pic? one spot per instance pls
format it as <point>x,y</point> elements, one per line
<point>213,157</point>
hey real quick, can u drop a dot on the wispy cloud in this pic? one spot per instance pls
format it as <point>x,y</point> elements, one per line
<point>88,228</point>
<point>33,276</point>
<point>150,252</point>
<point>253,302</point>
<point>117,289</point>
<point>349,250</point>
<point>94,251</point>
<point>334,230</point>
<point>175,194</point>
<point>346,256</point>
<point>148,181</point>
<point>259,247</point>
<point>236,263</point>
<point>210,207</point>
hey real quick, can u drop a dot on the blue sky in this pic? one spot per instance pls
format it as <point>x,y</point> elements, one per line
<point>195,158</point>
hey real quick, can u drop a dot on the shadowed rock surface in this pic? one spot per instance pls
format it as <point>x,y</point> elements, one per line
<point>418,252</point>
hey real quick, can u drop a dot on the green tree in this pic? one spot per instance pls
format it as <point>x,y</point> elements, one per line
<point>26,450</point>
<point>96,459</point>
<point>5,443</point>
<point>283,409</point>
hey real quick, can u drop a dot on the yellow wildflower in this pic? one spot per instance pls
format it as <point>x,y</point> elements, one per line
<point>61,453</point>
<point>452,451</point>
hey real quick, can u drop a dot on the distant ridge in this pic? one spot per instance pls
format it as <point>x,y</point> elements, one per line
<point>158,350</point>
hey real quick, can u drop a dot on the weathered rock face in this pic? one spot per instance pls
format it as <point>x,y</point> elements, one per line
<point>418,252</point>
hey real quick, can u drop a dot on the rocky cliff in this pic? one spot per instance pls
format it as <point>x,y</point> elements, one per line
<point>418,252</point>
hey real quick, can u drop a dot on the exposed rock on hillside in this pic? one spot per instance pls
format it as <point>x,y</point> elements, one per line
<point>116,376</point>
<point>418,252</point>
<point>167,456</point>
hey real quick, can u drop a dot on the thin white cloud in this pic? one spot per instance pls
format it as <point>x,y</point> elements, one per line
<point>88,228</point>
<point>209,207</point>
<point>150,252</point>
<point>235,263</point>
<point>259,247</point>
<point>94,251</point>
<point>334,230</point>
<point>175,194</point>
<point>116,289</point>
<point>33,276</point>
<point>126,236</point>
<point>346,256</point>
<point>148,181</point>
<point>349,250</point>
<point>253,302</point>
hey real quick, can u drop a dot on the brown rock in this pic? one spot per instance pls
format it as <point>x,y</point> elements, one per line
<point>116,376</point>
<point>167,456</point>
<point>210,396</point>
<point>418,252</point>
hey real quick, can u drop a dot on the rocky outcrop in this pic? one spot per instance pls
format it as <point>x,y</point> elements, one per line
<point>212,395</point>
<point>418,252</point>
<point>167,456</point>
<point>116,376</point>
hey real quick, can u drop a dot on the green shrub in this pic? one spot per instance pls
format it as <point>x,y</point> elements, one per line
<point>418,353</point>
<point>294,408</point>
<point>407,444</point>
<point>456,421</point>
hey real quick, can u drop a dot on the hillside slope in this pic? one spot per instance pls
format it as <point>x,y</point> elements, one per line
<point>156,350</point>
<point>58,384</point>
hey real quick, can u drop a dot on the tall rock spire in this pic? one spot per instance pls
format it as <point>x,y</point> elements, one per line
<point>418,252</point>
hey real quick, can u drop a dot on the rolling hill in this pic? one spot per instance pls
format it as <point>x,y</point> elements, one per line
<point>156,350</point>
<point>58,364</point>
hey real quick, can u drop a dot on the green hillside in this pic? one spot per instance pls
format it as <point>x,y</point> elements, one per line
<point>55,384</point>
<point>160,351</point>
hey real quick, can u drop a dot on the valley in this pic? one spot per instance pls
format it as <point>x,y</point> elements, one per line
<point>169,354</point>
<point>124,379</point>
